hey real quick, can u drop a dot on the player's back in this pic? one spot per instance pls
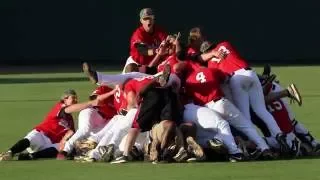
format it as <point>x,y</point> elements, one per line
<point>55,126</point>
<point>232,61</point>
<point>203,85</point>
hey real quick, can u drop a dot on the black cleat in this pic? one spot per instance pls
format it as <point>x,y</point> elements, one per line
<point>238,157</point>
<point>282,140</point>
<point>92,75</point>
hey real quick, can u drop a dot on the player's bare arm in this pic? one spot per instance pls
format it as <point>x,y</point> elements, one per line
<point>161,52</point>
<point>65,138</point>
<point>131,100</point>
<point>106,95</point>
<point>80,106</point>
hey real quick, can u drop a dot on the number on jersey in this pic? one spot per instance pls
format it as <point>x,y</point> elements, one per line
<point>274,106</point>
<point>117,94</point>
<point>201,77</point>
<point>221,49</point>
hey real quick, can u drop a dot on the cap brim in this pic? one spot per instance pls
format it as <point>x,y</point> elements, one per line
<point>150,16</point>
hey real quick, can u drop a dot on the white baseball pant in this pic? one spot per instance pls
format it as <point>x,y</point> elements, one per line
<point>39,141</point>
<point>235,118</point>
<point>89,122</point>
<point>247,92</point>
<point>114,134</point>
<point>210,125</point>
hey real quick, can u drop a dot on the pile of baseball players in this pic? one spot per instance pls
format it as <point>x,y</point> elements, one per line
<point>174,102</point>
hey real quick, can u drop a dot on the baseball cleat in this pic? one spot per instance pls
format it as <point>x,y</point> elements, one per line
<point>120,160</point>
<point>267,155</point>
<point>282,140</point>
<point>215,144</point>
<point>195,148</point>
<point>6,156</point>
<point>243,147</point>
<point>236,157</point>
<point>164,78</point>
<point>316,149</point>
<point>87,160</point>
<point>268,79</point>
<point>295,149</point>
<point>266,70</point>
<point>25,157</point>
<point>92,75</point>
<point>181,156</point>
<point>294,94</point>
<point>107,152</point>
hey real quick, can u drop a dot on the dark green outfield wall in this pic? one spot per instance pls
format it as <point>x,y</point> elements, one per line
<point>67,30</point>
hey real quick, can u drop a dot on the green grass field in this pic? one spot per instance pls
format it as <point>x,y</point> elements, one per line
<point>26,98</point>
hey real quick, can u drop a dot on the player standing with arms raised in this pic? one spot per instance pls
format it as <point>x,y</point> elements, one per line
<point>145,39</point>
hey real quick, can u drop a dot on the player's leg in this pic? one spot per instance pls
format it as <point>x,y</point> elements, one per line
<point>18,147</point>
<point>206,119</point>
<point>88,120</point>
<point>34,140</point>
<point>239,86</point>
<point>109,79</point>
<point>235,118</point>
<point>112,137</point>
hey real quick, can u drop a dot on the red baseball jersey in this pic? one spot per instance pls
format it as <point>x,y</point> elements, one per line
<point>231,63</point>
<point>171,60</point>
<point>281,115</point>
<point>119,100</point>
<point>54,126</point>
<point>136,84</point>
<point>107,108</point>
<point>150,40</point>
<point>279,111</point>
<point>203,85</point>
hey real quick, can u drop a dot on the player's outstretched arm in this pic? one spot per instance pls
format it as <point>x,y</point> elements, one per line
<point>80,106</point>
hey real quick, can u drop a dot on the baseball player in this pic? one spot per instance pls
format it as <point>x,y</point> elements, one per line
<point>203,85</point>
<point>155,105</point>
<point>56,128</point>
<point>245,86</point>
<point>279,107</point>
<point>92,119</point>
<point>145,39</point>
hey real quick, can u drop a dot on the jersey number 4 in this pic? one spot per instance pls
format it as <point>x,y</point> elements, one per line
<point>201,77</point>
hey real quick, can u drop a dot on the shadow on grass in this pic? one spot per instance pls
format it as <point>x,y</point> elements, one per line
<point>41,80</point>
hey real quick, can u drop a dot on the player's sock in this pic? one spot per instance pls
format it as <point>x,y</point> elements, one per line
<point>303,134</point>
<point>20,146</point>
<point>46,153</point>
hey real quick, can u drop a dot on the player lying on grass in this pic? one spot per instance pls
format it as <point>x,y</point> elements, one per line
<point>92,119</point>
<point>53,132</point>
